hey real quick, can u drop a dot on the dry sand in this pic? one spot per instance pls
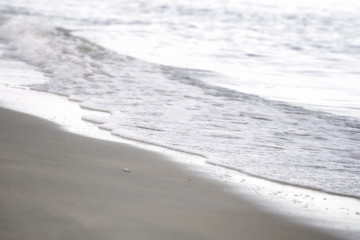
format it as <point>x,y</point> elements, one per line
<point>57,185</point>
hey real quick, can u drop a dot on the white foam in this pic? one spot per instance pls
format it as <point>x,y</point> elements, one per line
<point>172,107</point>
<point>132,106</point>
<point>336,214</point>
<point>15,79</point>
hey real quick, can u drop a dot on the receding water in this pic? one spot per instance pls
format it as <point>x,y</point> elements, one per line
<point>271,90</point>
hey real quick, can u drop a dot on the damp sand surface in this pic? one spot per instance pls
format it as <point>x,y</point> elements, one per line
<point>58,185</point>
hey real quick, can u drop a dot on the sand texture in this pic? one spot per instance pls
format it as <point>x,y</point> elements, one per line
<point>57,185</point>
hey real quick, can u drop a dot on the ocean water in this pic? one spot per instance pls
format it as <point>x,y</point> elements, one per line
<point>266,88</point>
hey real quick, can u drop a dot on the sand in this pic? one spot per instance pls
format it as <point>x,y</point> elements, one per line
<point>58,185</point>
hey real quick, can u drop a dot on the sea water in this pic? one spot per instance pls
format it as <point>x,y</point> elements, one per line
<point>266,88</point>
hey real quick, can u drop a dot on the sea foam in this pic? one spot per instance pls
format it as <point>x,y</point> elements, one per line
<point>176,108</point>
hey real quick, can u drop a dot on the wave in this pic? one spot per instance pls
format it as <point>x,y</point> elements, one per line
<point>178,109</point>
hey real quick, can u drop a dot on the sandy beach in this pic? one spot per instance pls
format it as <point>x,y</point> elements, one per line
<point>58,185</point>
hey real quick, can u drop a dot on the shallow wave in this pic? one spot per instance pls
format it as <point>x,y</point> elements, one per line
<point>176,108</point>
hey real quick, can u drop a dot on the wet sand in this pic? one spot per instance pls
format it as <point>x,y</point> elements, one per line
<point>58,185</point>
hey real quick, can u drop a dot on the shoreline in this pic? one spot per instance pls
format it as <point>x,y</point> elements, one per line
<point>337,215</point>
<point>58,184</point>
